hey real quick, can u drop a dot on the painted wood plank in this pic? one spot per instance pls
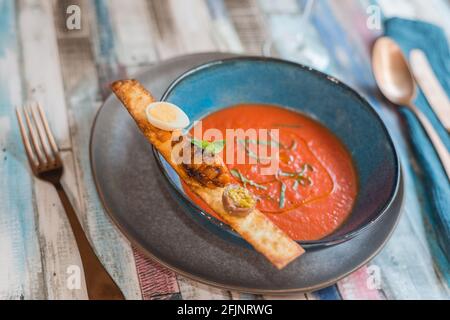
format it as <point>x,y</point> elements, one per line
<point>21,269</point>
<point>104,45</point>
<point>329,293</point>
<point>156,281</point>
<point>296,296</point>
<point>43,83</point>
<point>132,29</point>
<point>81,83</point>
<point>223,30</point>
<point>249,24</point>
<point>164,29</point>
<point>244,296</point>
<point>192,21</point>
<point>181,27</point>
<point>359,286</point>
<point>291,37</point>
<point>279,7</point>
<point>193,290</point>
<point>40,64</point>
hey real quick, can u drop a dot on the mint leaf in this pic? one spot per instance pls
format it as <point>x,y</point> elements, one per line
<point>215,147</point>
<point>211,147</point>
<point>202,144</point>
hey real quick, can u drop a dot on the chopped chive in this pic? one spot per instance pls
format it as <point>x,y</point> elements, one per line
<point>302,172</point>
<point>304,181</point>
<point>252,154</point>
<point>301,180</point>
<point>300,177</point>
<point>277,142</point>
<point>305,168</point>
<point>287,174</point>
<point>293,145</point>
<point>258,142</point>
<point>235,173</point>
<point>238,175</point>
<point>282,195</point>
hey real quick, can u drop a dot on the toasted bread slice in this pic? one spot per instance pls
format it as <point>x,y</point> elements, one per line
<point>255,228</point>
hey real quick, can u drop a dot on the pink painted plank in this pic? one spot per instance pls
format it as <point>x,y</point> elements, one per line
<point>156,281</point>
<point>361,285</point>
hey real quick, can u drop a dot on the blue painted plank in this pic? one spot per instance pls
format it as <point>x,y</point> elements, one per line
<point>330,293</point>
<point>20,267</point>
<point>105,47</point>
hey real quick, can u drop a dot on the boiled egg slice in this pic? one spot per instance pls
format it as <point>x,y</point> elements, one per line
<point>166,116</point>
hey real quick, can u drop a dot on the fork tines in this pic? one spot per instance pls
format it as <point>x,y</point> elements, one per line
<point>38,140</point>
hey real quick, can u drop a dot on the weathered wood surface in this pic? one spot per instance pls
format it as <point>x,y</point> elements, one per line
<point>68,71</point>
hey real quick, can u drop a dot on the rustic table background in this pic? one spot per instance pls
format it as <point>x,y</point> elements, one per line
<point>68,72</point>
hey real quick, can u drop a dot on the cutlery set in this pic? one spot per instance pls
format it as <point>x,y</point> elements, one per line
<point>397,83</point>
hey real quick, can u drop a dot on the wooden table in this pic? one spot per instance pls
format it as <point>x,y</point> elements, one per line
<point>68,72</point>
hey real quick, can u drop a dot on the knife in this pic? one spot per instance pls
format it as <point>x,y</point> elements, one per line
<point>430,86</point>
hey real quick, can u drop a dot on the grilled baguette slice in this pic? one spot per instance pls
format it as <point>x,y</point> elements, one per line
<point>255,228</point>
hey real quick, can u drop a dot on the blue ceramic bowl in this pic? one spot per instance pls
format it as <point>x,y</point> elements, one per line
<point>224,83</point>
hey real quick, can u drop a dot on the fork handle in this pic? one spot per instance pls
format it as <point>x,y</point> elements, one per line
<point>100,285</point>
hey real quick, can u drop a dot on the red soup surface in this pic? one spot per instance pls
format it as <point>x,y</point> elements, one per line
<point>314,189</point>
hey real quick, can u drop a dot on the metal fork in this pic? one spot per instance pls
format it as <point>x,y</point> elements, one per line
<point>45,161</point>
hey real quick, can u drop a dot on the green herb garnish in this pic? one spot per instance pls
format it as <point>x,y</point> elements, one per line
<point>251,153</point>
<point>300,177</point>
<point>304,181</point>
<point>238,175</point>
<point>278,142</point>
<point>211,147</point>
<point>282,195</point>
<point>302,172</point>
<point>288,174</point>
<point>293,145</point>
<point>259,142</point>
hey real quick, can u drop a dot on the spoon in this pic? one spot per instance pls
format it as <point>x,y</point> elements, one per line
<point>397,84</point>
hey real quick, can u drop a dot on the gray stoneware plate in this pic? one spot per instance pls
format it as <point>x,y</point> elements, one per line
<point>135,196</point>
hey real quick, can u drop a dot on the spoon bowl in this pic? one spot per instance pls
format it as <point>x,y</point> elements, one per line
<point>392,72</point>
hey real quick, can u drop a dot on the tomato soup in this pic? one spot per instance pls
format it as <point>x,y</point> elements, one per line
<point>314,188</point>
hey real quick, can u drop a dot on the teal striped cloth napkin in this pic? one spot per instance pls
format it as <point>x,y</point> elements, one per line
<point>431,40</point>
